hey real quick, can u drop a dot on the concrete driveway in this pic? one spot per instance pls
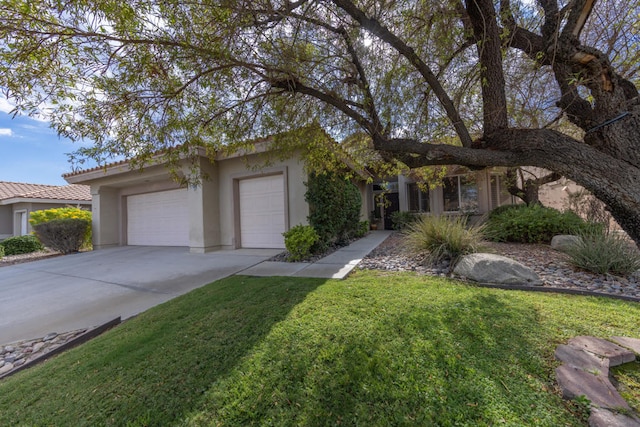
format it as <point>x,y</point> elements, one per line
<point>87,289</point>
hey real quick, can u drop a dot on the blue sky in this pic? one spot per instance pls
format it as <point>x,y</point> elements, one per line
<point>30,151</point>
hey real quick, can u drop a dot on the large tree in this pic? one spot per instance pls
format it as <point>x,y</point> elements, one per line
<point>430,82</point>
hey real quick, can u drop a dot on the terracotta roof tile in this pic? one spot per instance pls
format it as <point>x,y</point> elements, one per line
<point>10,190</point>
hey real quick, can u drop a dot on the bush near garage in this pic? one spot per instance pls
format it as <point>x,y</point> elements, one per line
<point>334,208</point>
<point>299,241</point>
<point>532,224</point>
<point>69,212</point>
<point>63,235</point>
<point>21,245</point>
<point>1,251</point>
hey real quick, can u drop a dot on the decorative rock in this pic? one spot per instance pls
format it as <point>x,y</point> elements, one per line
<point>490,268</point>
<point>6,368</point>
<point>37,346</point>
<point>605,418</point>
<point>598,389</point>
<point>581,359</point>
<point>617,355</point>
<point>564,242</point>
<point>9,349</point>
<point>632,344</point>
<point>50,336</point>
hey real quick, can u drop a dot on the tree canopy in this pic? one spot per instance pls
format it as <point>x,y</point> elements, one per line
<point>552,84</point>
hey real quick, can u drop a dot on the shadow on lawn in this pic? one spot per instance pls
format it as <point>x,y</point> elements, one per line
<point>154,369</point>
<point>390,360</point>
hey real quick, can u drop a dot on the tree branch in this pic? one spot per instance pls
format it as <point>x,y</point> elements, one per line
<point>408,52</point>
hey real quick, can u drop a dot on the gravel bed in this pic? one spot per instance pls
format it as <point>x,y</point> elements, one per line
<point>551,266</point>
<point>33,256</point>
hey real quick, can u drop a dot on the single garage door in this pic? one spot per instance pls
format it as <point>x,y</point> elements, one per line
<point>262,212</point>
<point>158,219</point>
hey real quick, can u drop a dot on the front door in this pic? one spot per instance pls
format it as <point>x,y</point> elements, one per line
<point>392,205</point>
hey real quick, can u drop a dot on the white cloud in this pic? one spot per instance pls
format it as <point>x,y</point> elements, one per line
<point>6,132</point>
<point>5,105</point>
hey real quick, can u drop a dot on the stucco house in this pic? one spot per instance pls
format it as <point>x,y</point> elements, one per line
<point>240,204</point>
<point>18,200</point>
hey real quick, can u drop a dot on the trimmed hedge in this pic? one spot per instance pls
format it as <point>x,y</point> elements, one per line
<point>63,235</point>
<point>299,241</point>
<point>69,212</point>
<point>334,208</point>
<point>21,245</point>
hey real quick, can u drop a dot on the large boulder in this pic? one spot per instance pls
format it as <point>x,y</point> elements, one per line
<point>564,242</point>
<point>498,269</point>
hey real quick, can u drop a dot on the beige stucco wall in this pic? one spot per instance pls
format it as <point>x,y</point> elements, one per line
<point>6,222</point>
<point>213,207</point>
<point>230,171</point>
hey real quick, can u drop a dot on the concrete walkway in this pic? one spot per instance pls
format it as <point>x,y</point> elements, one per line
<point>334,266</point>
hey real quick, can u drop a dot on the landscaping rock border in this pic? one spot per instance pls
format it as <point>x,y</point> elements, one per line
<point>552,267</point>
<point>585,372</point>
<point>17,356</point>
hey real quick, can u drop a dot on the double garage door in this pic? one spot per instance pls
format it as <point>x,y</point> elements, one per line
<point>162,218</point>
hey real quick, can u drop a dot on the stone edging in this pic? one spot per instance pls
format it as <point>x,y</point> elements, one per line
<point>585,372</point>
<point>548,289</point>
<point>46,353</point>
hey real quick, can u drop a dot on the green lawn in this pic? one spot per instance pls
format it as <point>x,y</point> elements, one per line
<point>376,349</point>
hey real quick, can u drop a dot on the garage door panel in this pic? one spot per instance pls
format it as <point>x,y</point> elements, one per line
<point>158,219</point>
<point>262,212</point>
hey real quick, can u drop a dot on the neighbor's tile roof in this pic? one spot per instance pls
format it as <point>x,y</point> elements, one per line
<point>12,190</point>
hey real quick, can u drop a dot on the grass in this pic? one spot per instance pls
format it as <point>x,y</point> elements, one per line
<point>376,349</point>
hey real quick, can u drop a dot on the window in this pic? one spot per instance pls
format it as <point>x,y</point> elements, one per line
<point>418,199</point>
<point>459,194</point>
<point>499,194</point>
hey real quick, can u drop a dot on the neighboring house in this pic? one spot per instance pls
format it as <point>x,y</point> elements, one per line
<point>18,200</point>
<point>240,203</point>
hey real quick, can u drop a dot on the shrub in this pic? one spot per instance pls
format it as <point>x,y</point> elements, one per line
<point>334,208</point>
<point>363,229</point>
<point>440,237</point>
<point>501,209</point>
<point>400,220</point>
<point>601,252</point>
<point>63,235</point>
<point>299,241</point>
<point>1,251</point>
<point>69,212</point>
<point>532,224</point>
<point>21,245</point>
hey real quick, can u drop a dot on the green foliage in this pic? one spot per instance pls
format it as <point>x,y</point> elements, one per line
<point>532,224</point>
<point>441,237</point>
<point>299,241</point>
<point>363,229</point>
<point>43,216</point>
<point>21,245</point>
<point>1,251</point>
<point>334,207</point>
<point>63,235</point>
<point>501,209</point>
<point>601,253</point>
<point>402,219</point>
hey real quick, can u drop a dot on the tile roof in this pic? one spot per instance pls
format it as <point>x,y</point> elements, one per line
<point>12,190</point>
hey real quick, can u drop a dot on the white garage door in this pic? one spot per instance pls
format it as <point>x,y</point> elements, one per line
<point>158,219</point>
<point>262,212</point>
